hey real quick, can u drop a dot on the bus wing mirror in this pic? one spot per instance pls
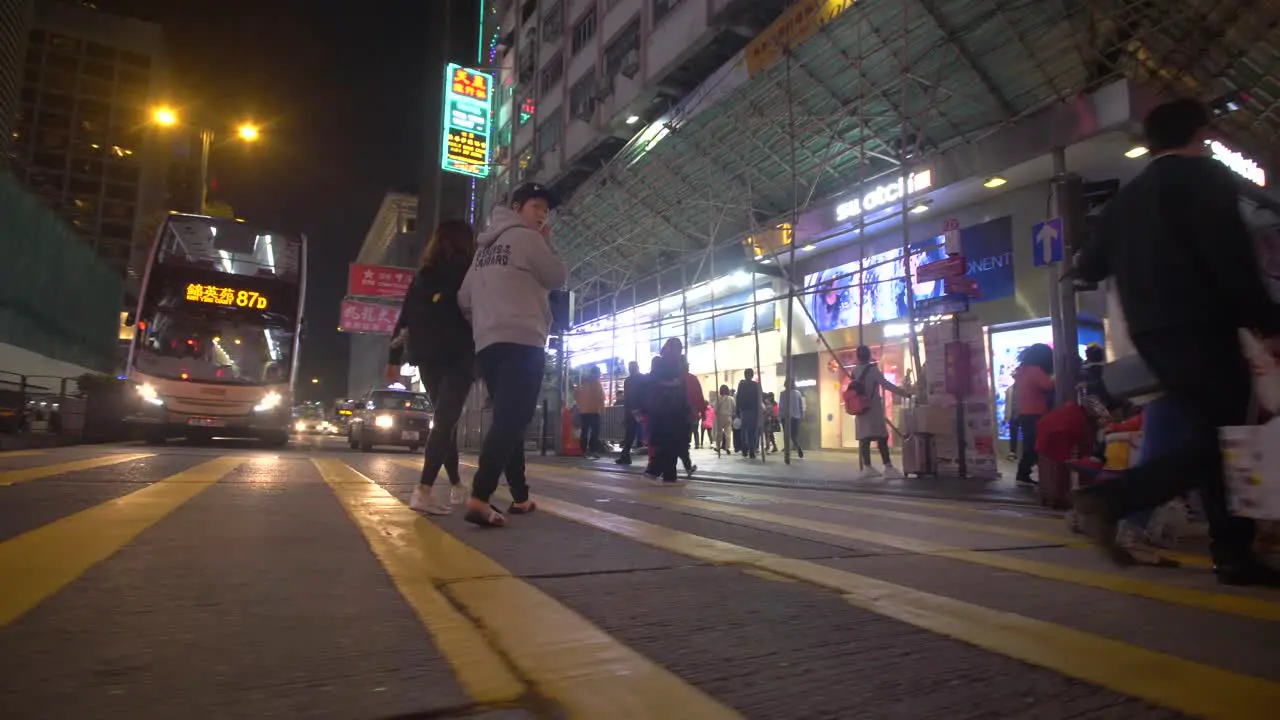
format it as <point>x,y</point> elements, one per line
<point>129,319</point>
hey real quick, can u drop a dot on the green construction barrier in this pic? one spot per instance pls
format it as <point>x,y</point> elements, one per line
<point>56,297</point>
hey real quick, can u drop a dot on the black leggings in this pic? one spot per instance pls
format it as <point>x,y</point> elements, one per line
<point>864,450</point>
<point>448,390</point>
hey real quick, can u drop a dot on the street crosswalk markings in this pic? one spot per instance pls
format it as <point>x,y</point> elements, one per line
<point>21,453</point>
<point>1189,687</point>
<point>1244,606</point>
<point>564,656</point>
<point>13,477</point>
<point>39,563</point>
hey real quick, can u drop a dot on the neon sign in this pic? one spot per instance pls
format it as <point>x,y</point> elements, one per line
<point>467,111</point>
<point>1239,163</point>
<point>225,296</point>
<point>881,196</point>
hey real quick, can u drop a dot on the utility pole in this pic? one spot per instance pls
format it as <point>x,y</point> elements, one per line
<point>1068,204</point>
<point>438,46</point>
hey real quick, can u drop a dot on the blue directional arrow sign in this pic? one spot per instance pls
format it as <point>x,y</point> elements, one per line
<point>1046,241</point>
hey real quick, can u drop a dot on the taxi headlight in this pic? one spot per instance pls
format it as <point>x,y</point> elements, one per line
<point>148,394</point>
<point>270,401</point>
<point>384,421</point>
<point>300,426</point>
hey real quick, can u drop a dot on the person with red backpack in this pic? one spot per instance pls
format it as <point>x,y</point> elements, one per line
<point>863,399</point>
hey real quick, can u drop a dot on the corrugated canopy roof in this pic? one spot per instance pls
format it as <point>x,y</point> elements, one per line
<point>924,74</point>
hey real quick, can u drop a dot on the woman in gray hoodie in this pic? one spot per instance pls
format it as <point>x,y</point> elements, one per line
<point>505,296</point>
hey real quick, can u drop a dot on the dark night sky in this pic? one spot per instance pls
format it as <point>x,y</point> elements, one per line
<point>338,90</point>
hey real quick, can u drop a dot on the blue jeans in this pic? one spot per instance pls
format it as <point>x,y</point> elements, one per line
<point>1164,430</point>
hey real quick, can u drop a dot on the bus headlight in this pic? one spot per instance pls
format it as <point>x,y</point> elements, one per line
<point>300,426</point>
<point>384,421</point>
<point>148,394</point>
<point>270,401</point>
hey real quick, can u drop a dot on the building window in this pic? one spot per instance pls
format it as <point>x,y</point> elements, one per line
<point>549,132</point>
<point>662,8</point>
<point>622,45</point>
<point>611,4</point>
<point>582,96</point>
<point>552,73</point>
<point>584,31</point>
<point>553,22</point>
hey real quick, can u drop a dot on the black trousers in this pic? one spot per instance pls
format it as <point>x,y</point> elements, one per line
<point>793,435</point>
<point>669,443</point>
<point>1204,371</point>
<point>448,390</point>
<point>513,375</point>
<point>864,450</point>
<point>631,430</point>
<point>1014,428</point>
<point>1029,429</point>
<point>590,435</point>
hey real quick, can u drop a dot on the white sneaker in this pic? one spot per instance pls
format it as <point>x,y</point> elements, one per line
<point>429,499</point>
<point>892,473</point>
<point>458,494</point>
<point>870,473</point>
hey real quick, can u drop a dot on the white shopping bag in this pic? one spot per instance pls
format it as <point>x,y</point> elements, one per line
<point>1251,455</point>
<point>1266,372</point>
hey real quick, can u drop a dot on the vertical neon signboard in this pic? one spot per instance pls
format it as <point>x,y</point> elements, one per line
<point>468,108</point>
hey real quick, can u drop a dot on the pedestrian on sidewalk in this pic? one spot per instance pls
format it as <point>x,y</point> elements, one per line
<point>697,406</point>
<point>750,401</point>
<point>726,411</point>
<point>793,411</point>
<point>667,407</point>
<point>590,398</point>
<point>437,339</point>
<point>872,425</point>
<point>505,295</point>
<point>632,394</point>
<point>1178,225</point>
<point>1033,386</point>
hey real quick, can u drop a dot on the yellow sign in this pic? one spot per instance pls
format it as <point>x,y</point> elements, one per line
<point>227,297</point>
<point>798,24</point>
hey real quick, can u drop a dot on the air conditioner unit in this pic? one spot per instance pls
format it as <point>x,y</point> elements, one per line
<point>631,63</point>
<point>584,110</point>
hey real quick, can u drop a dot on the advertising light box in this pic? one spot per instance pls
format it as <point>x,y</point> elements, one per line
<point>468,107</point>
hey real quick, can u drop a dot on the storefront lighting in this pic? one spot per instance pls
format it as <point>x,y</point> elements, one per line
<point>1238,162</point>
<point>884,195</point>
<point>633,119</point>
<point>809,248</point>
<point>919,208</point>
<point>809,382</point>
<point>1136,151</point>
<point>994,181</point>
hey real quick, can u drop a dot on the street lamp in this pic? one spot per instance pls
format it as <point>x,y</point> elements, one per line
<point>315,381</point>
<point>166,116</point>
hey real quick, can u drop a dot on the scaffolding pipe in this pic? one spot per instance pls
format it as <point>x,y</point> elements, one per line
<point>755,332</point>
<point>789,369</point>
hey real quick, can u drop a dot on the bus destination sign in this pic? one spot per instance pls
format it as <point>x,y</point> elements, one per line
<point>468,110</point>
<point>225,296</point>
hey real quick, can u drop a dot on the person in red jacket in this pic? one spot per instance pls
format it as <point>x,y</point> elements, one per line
<point>1033,388</point>
<point>697,407</point>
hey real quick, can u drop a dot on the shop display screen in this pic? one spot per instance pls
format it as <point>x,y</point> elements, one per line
<point>1006,345</point>
<point>835,302</point>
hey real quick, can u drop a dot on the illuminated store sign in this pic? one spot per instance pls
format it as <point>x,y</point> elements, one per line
<point>225,296</point>
<point>467,112</point>
<point>885,194</point>
<point>1239,163</point>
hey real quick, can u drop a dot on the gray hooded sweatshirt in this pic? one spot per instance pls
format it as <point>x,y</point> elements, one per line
<point>505,292</point>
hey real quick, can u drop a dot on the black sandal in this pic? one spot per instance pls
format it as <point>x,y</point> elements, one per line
<point>528,508</point>
<point>488,519</point>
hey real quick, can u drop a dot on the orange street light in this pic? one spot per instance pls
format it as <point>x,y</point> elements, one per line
<point>248,132</point>
<point>165,116</point>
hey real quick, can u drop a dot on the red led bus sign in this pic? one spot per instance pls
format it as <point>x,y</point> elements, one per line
<point>468,110</point>
<point>225,296</point>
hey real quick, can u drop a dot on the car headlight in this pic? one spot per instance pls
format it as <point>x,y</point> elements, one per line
<point>148,394</point>
<point>384,421</point>
<point>270,401</point>
<point>300,426</point>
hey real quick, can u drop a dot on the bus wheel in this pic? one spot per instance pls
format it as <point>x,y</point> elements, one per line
<point>351,441</point>
<point>366,446</point>
<point>276,440</point>
<point>413,448</point>
<point>155,437</point>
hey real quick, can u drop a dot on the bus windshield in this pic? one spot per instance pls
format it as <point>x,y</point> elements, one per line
<point>213,345</point>
<point>221,304</point>
<point>394,400</point>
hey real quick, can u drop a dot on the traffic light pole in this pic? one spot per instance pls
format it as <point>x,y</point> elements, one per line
<point>1069,204</point>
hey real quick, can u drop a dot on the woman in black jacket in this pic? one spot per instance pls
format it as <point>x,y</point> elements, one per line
<point>437,339</point>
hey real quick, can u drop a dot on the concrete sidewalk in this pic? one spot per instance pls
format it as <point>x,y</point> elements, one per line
<point>827,470</point>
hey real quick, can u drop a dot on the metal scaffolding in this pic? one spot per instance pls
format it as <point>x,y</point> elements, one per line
<point>875,93</point>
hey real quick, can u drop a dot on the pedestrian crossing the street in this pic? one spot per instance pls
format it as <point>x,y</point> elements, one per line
<point>193,583</point>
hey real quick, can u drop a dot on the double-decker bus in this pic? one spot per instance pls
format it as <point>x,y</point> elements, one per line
<point>219,320</point>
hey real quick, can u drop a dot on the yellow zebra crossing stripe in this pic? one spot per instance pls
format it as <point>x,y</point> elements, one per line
<point>13,477</point>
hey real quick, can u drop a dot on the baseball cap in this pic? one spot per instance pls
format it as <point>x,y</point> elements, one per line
<point>530,191</point>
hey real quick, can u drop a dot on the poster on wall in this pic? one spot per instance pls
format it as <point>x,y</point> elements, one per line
<point>834,301</point>
<point>1006,345</point>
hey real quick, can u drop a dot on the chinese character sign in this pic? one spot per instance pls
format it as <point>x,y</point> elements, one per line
<point>359,316</point>
<point>378,281</point>
<point>228,297</point>
<point>467,116</point>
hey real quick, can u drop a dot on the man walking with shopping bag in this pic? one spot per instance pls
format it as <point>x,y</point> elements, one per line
<point>1188,281</point>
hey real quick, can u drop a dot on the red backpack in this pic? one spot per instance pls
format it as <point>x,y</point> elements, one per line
<point>855,397</point>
